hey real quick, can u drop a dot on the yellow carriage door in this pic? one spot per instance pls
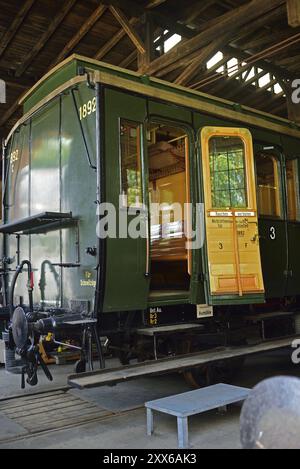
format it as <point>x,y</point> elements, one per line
<point>231,212</point>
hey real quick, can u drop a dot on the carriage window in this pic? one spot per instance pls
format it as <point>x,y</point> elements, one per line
<point>293,202</point>
<point>131,180</point>
<point>228,172</point>
<point>267,167</point>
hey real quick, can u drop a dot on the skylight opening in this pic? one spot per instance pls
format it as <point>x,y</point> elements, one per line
<point>249,75</point>
<point>263,81</point>
<point>232,66</point>
<point>277,89</point>
<point>214,60</point>
<point>172,42</point>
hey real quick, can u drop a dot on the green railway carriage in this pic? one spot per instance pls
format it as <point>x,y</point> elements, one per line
<point>94,134</point>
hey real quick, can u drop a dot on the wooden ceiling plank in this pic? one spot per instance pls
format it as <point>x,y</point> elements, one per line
<point>68,5</point>
<point>128,28</point>
<point>85,28</point>
<point>15,26</point>
<point>236,18</point>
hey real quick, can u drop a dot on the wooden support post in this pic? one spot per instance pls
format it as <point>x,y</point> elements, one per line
<point>293,109</point>
<point>292,91</point>
<point>293,8</point>
<point>144,59</point>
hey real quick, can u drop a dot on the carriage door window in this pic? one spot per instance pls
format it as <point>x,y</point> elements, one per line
<point>131,174</point>
<point>227,170</point>
<point>268,182</point>
<point>292,178</point>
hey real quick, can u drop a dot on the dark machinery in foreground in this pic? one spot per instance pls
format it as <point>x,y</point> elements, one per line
<point>217,265</point>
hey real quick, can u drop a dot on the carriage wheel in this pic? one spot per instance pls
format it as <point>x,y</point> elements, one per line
<point>207,375</point>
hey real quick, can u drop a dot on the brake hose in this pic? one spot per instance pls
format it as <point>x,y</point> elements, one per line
<point>30,285</point>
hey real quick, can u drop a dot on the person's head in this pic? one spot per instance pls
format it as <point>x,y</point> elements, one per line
<point>270,417</point>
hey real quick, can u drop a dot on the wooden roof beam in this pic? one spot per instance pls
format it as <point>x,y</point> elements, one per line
<point>108,46</point>
<point>245,84</point>
<point>128,60</point>
<point>189,14</point>
<point>293,9</point>
<point>16,24</point>
<point>279,72</point>
<point>233,19</point>
<point>136,10</point>
<point>204,55</point>
<point>63,11</point>
<point>128,28</point>
<point>154,4</point>
<point>85,28</point>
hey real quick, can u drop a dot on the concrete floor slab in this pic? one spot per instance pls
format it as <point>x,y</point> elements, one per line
<point>127,429</point>
<point>10,429</point>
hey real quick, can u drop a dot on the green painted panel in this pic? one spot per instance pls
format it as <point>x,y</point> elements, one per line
<point>54,81</point>
<point>78,186</point>
<point>260,135</point>
<point>293,287</point>
<point>126,287</point>
<point>169,111</point>
<point>274,256</point>
<point>45,197</point>
<point>291,147</point>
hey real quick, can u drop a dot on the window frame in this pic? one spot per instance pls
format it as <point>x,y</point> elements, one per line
<point>276,156</point>
<point>141,140</point>
<point>230,190</point>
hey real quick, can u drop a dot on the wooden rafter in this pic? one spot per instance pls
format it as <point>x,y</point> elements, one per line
<point>128,60</point>
<point>271,67</point>
<point>109,45</point>
<point>154,4</point>
<point>233,19</point>
<point>192,12</point>
<point>85,28</point>
<point>202,58</point>
<point>14,27</point>
<point>128,28</point>
<point>45,37</point>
